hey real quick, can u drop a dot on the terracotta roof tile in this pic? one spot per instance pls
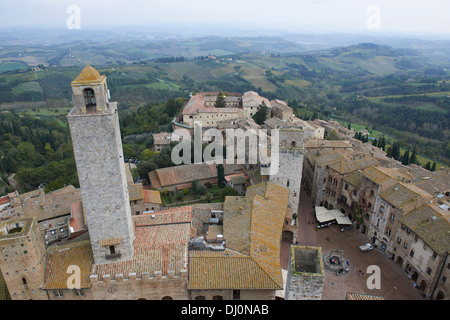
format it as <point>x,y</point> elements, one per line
<point>252,229</point>
<point>61,257</point>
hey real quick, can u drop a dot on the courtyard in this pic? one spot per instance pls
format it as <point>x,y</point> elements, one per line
<point>394,284</point>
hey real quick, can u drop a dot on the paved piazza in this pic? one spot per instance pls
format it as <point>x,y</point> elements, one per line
<point>395,285</point>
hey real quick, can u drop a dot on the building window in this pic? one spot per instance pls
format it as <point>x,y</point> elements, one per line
<point>217,298</point>
<point>112,250</point>
<point>381,209</point>
<point>411,253</point>
<point>236,294</point>
<point>58,293</point>
<point>78,292</point>
<point>429,271</point>
<point>89,98</point>
<point>405,245</point>
<point>346,186</point>
<point>399,240</point>
<point>392,217</point>
<point>444,278</point>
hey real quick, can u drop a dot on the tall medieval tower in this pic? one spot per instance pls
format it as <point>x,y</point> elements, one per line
<point>97,145</point>
<point>22,260</point>
<point>291,153</point>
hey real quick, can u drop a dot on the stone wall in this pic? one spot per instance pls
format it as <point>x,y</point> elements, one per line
<point>146,287</point>
<point>23,260</point>
<point>101,171</point>
<point>306,274</point>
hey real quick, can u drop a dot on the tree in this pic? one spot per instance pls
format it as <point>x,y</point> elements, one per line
<point>220,175</point>
<point>146,166</point>
<point>433,168</point>
<point>228,191</point>
<point>198,188</point>
<point>428,166</point>
<point>405,158</point>
<point>413,158</point>
<point>375,142</point>
<point>261,115</point>
<point>179,195</point>
<point>220,102</point>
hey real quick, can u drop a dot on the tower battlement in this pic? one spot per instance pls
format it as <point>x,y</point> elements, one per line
<point>144,276</point>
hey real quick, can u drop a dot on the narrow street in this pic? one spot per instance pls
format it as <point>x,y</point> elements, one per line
<point>395,285</point>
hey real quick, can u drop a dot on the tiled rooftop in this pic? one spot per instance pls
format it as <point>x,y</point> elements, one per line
<point>252,230</point>
<point>432,225</point>
<point>59,258</point>
<point>401,194</point>
<point>160,245</point>
<point>187,173</point>
<point>328,159</point>
<point>354,178</point>
<point>152,196</point>
<point>346,166</point>
<point>51,205</point>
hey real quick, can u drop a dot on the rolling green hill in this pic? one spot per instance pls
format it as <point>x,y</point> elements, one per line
<point>402,92</point>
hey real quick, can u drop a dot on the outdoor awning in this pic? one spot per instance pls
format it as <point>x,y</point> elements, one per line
<point>325,215</point>
<point>340,217</point>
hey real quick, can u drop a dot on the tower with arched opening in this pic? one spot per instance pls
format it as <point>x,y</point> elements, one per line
<point>97,145</point>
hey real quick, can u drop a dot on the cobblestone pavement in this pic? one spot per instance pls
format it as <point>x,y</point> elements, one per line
<point>394,283</point>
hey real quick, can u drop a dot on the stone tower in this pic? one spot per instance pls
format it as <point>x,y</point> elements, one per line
<point>97,145</point>
<point>291,153</point>
<point>305,278</point>
<point>22,260</point>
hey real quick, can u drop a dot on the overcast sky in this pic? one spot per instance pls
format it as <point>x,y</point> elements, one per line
<point>412,17</point>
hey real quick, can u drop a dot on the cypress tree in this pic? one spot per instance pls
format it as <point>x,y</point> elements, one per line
<point>375,142</point>
<point>413,158</point>
<point>428,166</point>
<point>433,168</point>
<point>405,158</point>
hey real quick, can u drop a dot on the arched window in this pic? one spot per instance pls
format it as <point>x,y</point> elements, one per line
<point>89,99</point>
<point>217,298</point>
<point>200,298</point>
<point>167,298</point>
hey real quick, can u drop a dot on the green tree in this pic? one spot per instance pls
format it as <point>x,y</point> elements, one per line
<point>261,115</point>
<point>220,102</point>
<point>228,191</point>
<point>428,166</point>
<point>220,175</point>
<point>179,195</point>
<point>405,158</point>
<point>433,167</point>
<point>144,167</point>
<point>198,188</point>
<point>413,158</point>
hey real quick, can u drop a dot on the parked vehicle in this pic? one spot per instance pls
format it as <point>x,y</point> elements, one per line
<point>366,247</point>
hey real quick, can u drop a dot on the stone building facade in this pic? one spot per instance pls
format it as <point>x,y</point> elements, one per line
<point>94,127</point>
<point>22,260</point>
<point>306,274</point>
<point>290,167</point>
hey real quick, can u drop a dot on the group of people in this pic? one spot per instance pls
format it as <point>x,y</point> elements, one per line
<point>339,262</point>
